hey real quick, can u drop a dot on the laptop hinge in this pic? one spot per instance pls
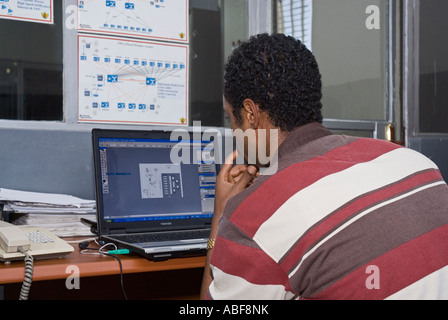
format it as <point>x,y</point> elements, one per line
<point>117,231</point>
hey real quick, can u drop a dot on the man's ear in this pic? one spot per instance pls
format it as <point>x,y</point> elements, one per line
<point>251,113</point>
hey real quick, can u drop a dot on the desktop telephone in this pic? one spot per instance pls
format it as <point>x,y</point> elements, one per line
<point>38,242</point>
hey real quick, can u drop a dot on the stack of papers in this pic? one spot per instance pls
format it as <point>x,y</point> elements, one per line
<point>58,213</point>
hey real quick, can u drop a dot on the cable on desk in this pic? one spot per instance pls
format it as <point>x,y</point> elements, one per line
<point>29,268</point>
<point>111,253</point>
<point>121,272</point>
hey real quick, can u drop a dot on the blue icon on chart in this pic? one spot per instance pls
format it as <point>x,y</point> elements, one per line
<point>132,106</point>
<point>113,78</point>
<point>151,81</point>
<point>129,6</point>
<point>142,106</point>
<point>105,105</point>
<point>121,105</point>
<point>110,3</point>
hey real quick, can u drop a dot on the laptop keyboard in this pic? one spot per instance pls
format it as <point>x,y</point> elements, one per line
<point>163,236</point>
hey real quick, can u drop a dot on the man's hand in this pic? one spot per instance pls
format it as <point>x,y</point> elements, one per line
<point>232,180</point>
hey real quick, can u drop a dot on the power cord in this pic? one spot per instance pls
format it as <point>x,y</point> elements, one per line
<point>121,273</point>
<point>111,253</point>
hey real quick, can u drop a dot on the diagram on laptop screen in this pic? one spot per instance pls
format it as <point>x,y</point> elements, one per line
<point>158,19</point>
<point>128,81</point>
<point>160,180</point>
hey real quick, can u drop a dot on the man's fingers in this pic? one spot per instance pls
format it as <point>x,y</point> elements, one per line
<point>227,165</point>
<point>231,158</point>
<point>246,177</point>
<point>239,174</point>
<point>236,171</point>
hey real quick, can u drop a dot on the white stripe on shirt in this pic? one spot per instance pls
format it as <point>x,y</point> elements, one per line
<point>427,288</point>
<point>229,287</point>
<point>308,206</point>
<point>382,204</point>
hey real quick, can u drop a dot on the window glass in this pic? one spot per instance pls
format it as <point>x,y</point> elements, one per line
<point>31,69</point>
<point>217,28</point>
<point>348,38</point>
<point>433,98</point>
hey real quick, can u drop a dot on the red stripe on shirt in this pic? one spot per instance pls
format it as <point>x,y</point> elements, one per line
<point>397,268</point>
<point>336,219</point>
<point>226,256</point>
<point>283,185</point>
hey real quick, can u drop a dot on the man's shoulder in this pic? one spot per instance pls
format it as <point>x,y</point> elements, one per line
<point>344,164</point>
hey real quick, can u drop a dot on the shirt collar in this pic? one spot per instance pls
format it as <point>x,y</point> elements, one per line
<point>301,136</point>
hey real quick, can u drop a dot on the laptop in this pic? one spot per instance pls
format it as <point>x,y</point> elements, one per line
<point>155,196</point>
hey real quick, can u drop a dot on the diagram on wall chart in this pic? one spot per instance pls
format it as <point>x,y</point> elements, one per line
<point>157,19</point>
<point>40,11</point>
<point>127,81</point>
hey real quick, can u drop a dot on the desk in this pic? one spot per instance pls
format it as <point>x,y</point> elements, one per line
<point>174,278</point>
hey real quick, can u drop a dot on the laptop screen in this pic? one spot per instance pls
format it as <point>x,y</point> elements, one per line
<point>139,181</point>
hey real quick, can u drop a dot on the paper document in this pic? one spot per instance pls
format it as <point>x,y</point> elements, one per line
<point>58,213</point>
<point>43,198</point>
<point>40,11</point>
<point>161,20</point>
<point>134,82</point>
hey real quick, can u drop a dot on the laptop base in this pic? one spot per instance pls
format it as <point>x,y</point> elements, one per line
<point>162,253</point>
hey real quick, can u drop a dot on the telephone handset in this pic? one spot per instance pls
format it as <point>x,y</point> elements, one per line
<point>36,241</point>
<point>12,239</point>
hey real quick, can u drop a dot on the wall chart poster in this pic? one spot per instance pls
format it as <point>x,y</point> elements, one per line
<point>40,11</point>
<point>156,19</point>
<point>131,81</point>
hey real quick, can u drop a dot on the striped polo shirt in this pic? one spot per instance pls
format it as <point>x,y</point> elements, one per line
<point>342,218</point>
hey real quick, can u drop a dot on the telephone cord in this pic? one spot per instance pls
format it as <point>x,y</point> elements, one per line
<point>29,268</point>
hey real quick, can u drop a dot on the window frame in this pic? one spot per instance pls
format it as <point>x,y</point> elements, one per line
<point>260,14</point>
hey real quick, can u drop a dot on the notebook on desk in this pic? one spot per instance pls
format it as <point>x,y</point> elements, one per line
<point>148,203</point>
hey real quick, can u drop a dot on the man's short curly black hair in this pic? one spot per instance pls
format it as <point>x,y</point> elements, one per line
<point>280,75</point>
